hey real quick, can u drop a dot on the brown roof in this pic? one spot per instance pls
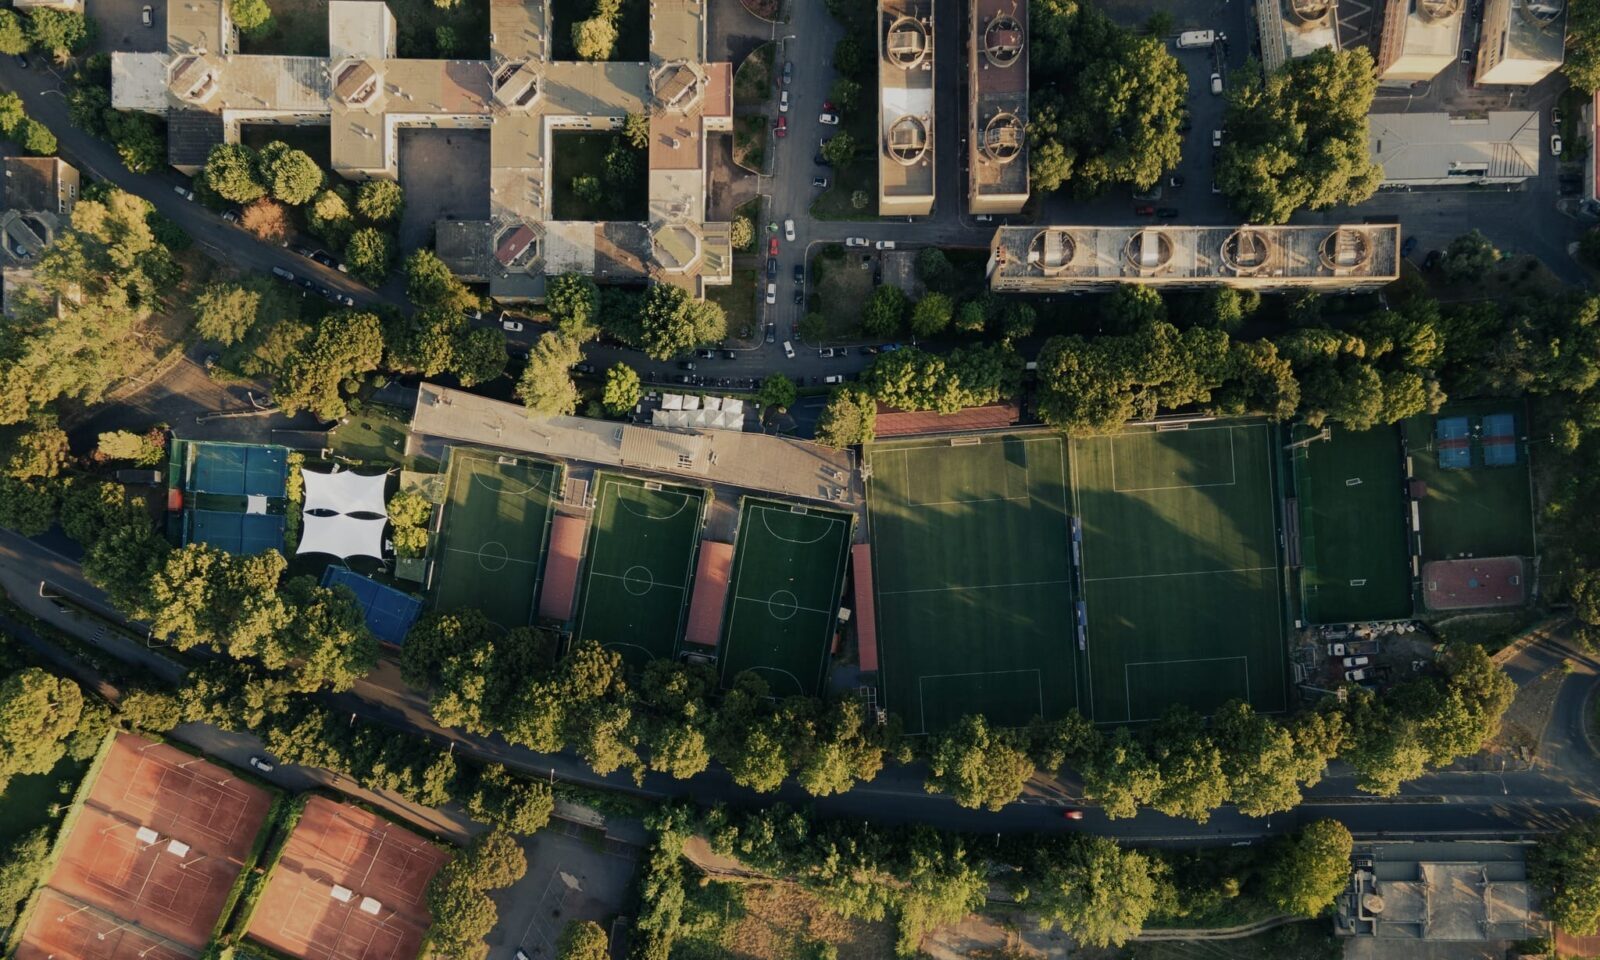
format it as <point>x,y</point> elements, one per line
<point>31,184</point>
<point>866,612</point>
<point>906,423</point>
<point>711,578</point>
<point>561,573</point>
<point>512,246</point>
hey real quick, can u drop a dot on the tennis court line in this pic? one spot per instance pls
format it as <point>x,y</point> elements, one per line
<point>981,586</point>
<point>1233,471</point>
<point>1190,573</point>
<point>1127,687</point>
<point>922,701</point>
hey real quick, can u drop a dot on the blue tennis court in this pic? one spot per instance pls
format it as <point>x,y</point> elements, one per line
<point>389,612</point>
<point>1452,428</point>
<point>1455,442</point>
<point>1499,451</point>
<point>239,469</point>
<point>237,533</point>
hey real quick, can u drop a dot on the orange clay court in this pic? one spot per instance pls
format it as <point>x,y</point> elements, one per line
<point>349,886</point>
<point>63,927</point>
<point>155,849</point>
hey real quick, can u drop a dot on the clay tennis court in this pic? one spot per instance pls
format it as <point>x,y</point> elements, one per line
<point>349,886</point>
<point>160,840</point>
<point>64,927</point>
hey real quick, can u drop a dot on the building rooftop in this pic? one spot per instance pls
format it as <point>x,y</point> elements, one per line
<point>1537,31</point>
<point>998,66</point>
<point>1295,28</point>
<point>33,183</point>
<point>905,103</point>
<point>1064,257</point>
<point>1433,146</point>
<point>1438,892</point>
<point>1425,29</point>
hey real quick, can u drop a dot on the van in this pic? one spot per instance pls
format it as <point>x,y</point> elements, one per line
<point>1189,39</point>
<point>788,349</point>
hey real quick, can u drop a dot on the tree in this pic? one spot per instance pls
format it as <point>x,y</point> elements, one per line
<point>380,201</point>
<point>741,234</point>
<point>934,269</point>
<point>546,386</point>
<point>480,356</point>
<point>621,164</point>
<point>28,507</point>
<point>977,766</point>
<point>252,17</point>
<point>779,391</point>
<point>1589,247</point>
<point>445,41</point>
<point>931,314</point>
<point>13,38</point>
<point>462,914</point>
<point>290,175</point>
<point>860,199</point>
<point>429,283</point>
<point>230,173</point>
<point>574,304</point>
<point>22,866</point>
<point>885,311</point>
<point>11,112</point>
<point>409,516</point>
<point>1470,258</point>
<point>1258,758</point>
<point>622,390</point>
<point>347,344</point>
<point>62,32</point>
<point>850,417</point>
<point>1309,870</point>
<point>127,445</point>
<point>1192,783</point>
<point>38,712</point>
<point>583,940</point>
<point>588,188</point>
<point>844,93</point>
<point>1299,139</point>
<point>226,312</point>
<point>328,215</point>
<point>34,137</point>
<point>140,140</point>
<point>1582,65</point>
<point>496,860</point>
<point>1119,774</point>
<point>1566,866</point>
<point>1130,308</point>
<point>1092,889</point>
<point>152,710</point>
<point>840,149</point>
<point>672,322</point>
<point>327,644</point>
<point>36,448</point>
<point>266,220</point>
<point>971,317</point>
<point>594,38</point>
<point>636,130</point>
<point>368,255</point>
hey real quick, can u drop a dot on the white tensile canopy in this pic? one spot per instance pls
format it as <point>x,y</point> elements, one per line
<point>345,492</point>
<point>341,536</point>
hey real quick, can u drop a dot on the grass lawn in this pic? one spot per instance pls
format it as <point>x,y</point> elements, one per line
<point>490,554</point>
<point>974,592</point>
<point>752,82</point>
<point>860,173</point>
<point>1354,516</point>
<point>839,289</point>
<point>375,435</point>
<point>26,803</point>
<point>633,29</point>
<point>738,301</point>
<point>577,154</point>
<point>1179,569</point>
<point>750,133</point>
<point>1482,511</point>
<point>750,210</point>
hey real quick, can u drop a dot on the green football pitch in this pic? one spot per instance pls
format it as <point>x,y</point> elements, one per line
<point>1354,514</point>
<point>1181,577</point>
<point>1480,511</point>
<point>642,545</point>
<point>972,569</point>
<point>788,572</point>
<point>490,553</point>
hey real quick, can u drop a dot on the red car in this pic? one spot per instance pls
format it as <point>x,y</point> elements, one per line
<point>772,247</point>
<point>781,128</point>
<point>1144,211</point>
<point>827,106</point>
<point>1071,814</point>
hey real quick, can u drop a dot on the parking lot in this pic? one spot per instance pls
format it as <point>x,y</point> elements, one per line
<point>574,873</point>
<point>119,25</point>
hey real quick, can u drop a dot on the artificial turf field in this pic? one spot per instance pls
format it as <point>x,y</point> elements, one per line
<point>1479,511</point>
<point>1180,567</point>
<point>1354,514</point>
<point>640,560</point>
<point>491,548</point>
<point>788,572</point>
<point>972,568</point>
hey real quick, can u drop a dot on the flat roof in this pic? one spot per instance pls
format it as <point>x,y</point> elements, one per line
<point>560,587</point>
<point>1289,29</point>
<point>712,575</point>
<point>33,183</point>
<point>905,96</point>
<point>1528,37</point>
<point>997,65</point>
<point>866,611</point>
<point>1428,146</point>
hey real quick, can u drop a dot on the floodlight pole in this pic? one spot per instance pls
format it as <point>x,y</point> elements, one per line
<point>63,917</point>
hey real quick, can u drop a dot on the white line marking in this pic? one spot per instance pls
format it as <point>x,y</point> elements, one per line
<point>979,586</point>
<point>924,678</point>
<point>1190,573</point>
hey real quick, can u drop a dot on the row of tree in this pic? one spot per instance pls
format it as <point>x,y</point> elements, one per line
<point>21,129</point>
<point>59,33</point>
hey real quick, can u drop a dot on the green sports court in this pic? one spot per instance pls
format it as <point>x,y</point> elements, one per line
<point>789,567</point>
<point>972,567</point>
<point>1473,460</point>
<point>639,564</point>
<point>1353,511</point>
<point>491,548</point>
<point>1179,562</point>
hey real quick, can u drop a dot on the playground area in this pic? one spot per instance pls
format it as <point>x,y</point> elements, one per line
<point>1472,458</point>
<point>972,565</point>
<point>789,570</point>
<point>640,560</point>
<point>490,551</point>
<point>1354,514</point>
<point>349,884</point>
<point>1182,592</point>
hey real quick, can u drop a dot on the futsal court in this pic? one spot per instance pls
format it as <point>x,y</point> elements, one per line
<point>1181,579</point>
<point>789,570</point>
<point>1472,459</point>
<point>349,885</point>
<point>640,561</point>
<point>972,568</point>
<point>491,546</point>
<point>1350,494</point>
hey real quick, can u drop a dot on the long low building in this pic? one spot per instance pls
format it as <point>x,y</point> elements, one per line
<point>905,107</point>
<point>1441,150</point>
<point>1031,259</point>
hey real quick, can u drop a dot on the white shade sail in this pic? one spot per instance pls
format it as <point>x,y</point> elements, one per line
<point>341,536</point>
<point>345,492</point>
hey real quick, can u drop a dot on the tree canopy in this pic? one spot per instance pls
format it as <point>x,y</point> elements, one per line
<point>38,712</point>
<point>290,175</point>
<point>1310,869</point>
<point>673,322</point>
<point>1566,866</point>
<point>546,386</point>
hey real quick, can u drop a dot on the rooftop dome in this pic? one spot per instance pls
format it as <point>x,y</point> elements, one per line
<point>908,140</point>
<point>1246,251</point>
<point>1438,9</point>
<point>1002,41</point>
<point>1345,250</point>
<point>1051,251</point>
<point>1147,251</point>
<point>1003,137</point>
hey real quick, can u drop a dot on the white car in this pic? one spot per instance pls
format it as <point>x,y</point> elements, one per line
<point>783,102</point>
<point>835,378</point>
<point>262,764</point>
<point>1216,83</point>
<point>885,244</point>
<point>183,192</point>
<point>511,325</point>
<point>831,119</point>
<point>772,293</point>
<point>788,230</point>
<point>1216,138</point>
<point>1555,144</point>
<point>1355,676</point>
<point>855,241</point>
<point>147,16</point>
<point>1356,661</point>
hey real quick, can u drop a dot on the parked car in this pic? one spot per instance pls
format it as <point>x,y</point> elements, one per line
<point>827,106</point>
<point>820,182</point>
<point>1466,55</point>
<point>833,378</point>
<point>831,119</point>
<point>1555,116</point>
<point>772,333</point>
<point>22,61</point>
<point>1167,213</point>
<point>147,16</point>
<point>1355,676</point>
<point>984,218</point>
<point>821,161</point>
<point>1409,245</point>
<point>1431,260</point>
<point>788,349</point>
<point>788,72</point>
<point>729,355</point>
<point>1174,181</point>
<point>230,216</point>
<point>825,353</point>
<point>584,368</point>
<point>282,274</point>
<point>799,273</point>
<point>1555,144</point>
<point>1356,661</point>
<point>1072,813</point>
<point>772,267</point>
<point>511,326</point>
<point>799,297</point>
<point>855,241</point>
<point>684,379</point>
<point>262,764</point>
<point>1144,210</point>
<point>772,246</point>
<point>1216,83</point>
<point>783,102</point>
<point>183,192</point>
<point>780,127</point>
<point>788,230</point>
<point>1216,138</point>
<point>772,293</point>
<point>685,364</point>
<point>884,244</point>
<point>705,354</point>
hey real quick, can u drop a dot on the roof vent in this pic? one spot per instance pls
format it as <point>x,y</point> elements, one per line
<point>1310,11</point>
<point>1051,251</point>
<point>907,43</point>
<point>1431,10</point>
<point>1002,41</point>
<point>1003,137</point>
<point>1147,252</point>
<point>908,140</point>
<point>1345,250</point>
<point>1247,251</point>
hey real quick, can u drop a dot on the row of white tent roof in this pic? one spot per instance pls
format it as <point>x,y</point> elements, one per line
<point>687,410</point>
